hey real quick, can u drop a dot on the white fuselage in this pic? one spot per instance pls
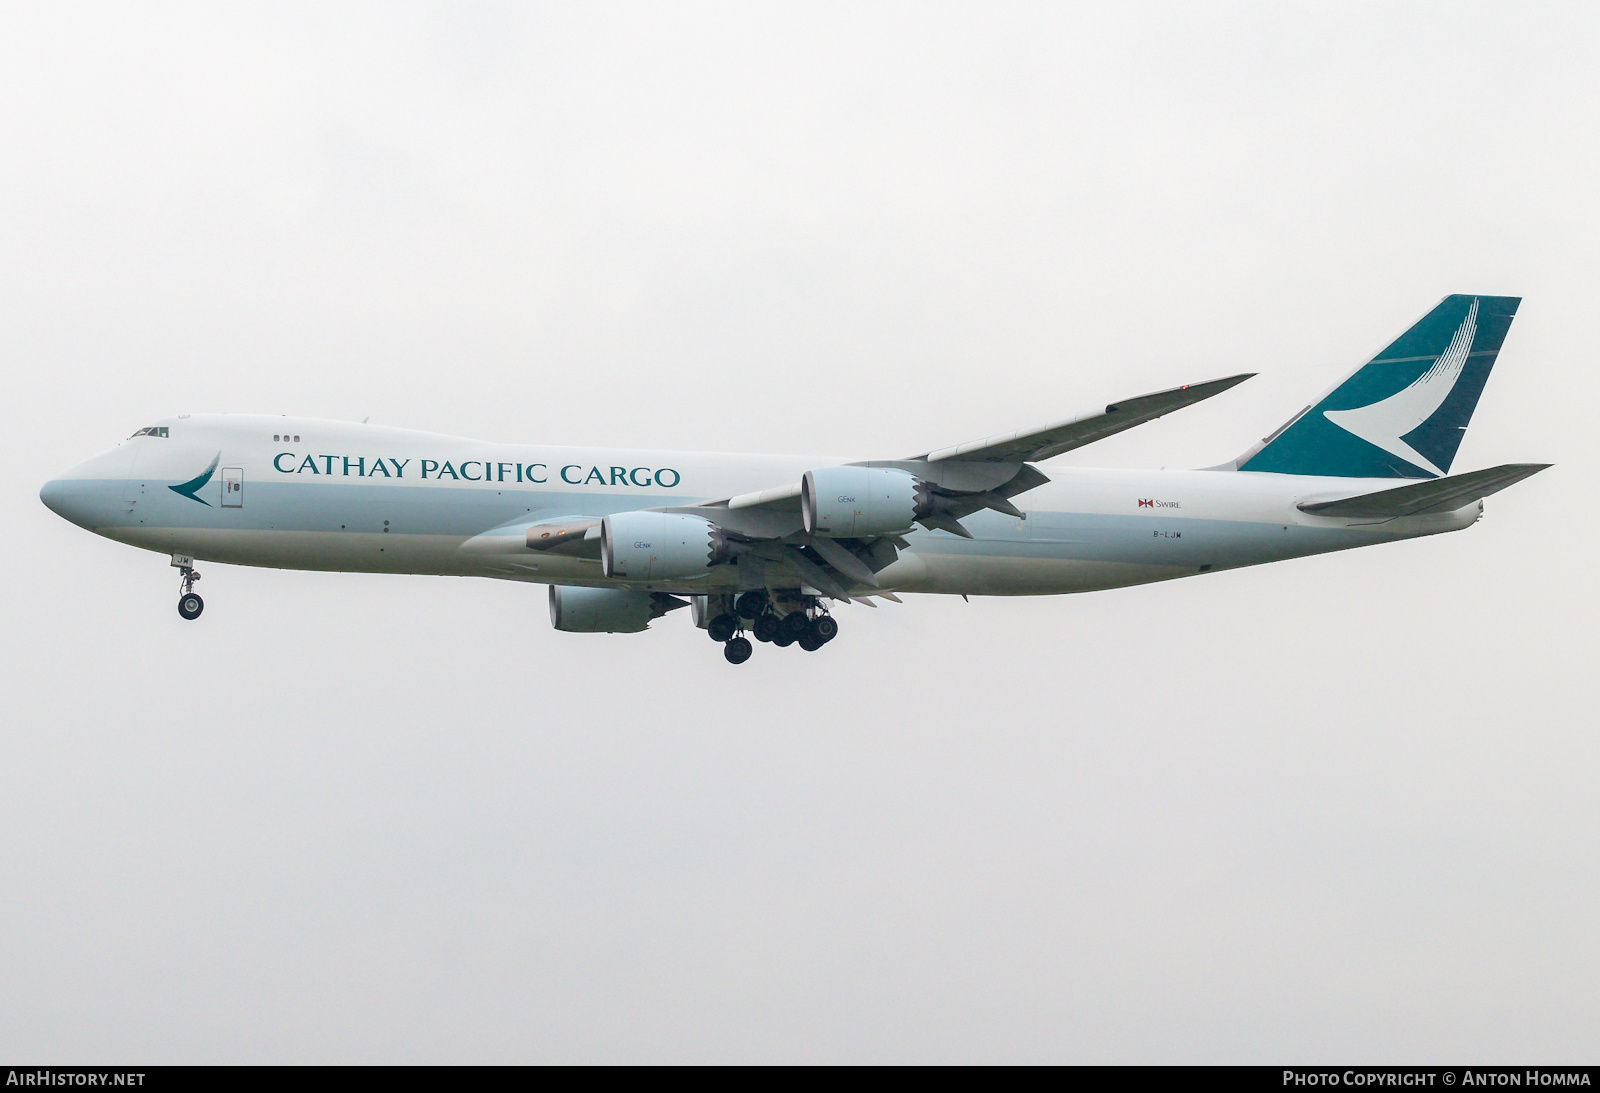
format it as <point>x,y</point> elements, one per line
<point>340,496</point>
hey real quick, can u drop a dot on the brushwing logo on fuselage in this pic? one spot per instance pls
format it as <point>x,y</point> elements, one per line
<point>1384,423</point>
<point>195,485</point>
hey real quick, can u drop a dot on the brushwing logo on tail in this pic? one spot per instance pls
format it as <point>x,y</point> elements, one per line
<point>195,485</point>
<point>1383,424</point>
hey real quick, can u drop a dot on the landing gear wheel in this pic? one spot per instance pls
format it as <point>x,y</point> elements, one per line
<point>825,628</point>
<point>738,650</point>
<point>751,604</point>
<point>723,627</point>
<point>783,641</point>
<point>794,624</point>
<point>809,641</point>
<point>766,627</point>
<point>189,605</point>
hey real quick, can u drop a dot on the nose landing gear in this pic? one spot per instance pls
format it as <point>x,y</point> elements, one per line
<point>189,602</point>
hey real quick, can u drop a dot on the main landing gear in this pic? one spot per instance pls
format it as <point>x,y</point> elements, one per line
<point>189,602</point>
<point>779,618</point>
<point>738,650</point>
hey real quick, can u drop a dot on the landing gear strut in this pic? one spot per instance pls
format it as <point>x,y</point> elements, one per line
<point>189,602</point>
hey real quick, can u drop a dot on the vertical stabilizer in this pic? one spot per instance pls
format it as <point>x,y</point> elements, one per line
<point>1403,413</point>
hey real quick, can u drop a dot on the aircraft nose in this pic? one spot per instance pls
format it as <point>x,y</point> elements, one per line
<point>54,495</point>
<point>69,500</point>
<point>95,493</point>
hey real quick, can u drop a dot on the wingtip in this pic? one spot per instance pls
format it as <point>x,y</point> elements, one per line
<point>1217,386</point>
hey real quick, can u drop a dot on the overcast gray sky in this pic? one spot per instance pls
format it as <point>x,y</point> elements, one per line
<point>1336,809</point>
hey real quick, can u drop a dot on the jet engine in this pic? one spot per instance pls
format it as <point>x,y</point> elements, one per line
<point>659,546</point>
<point>606,610</point>
<point>849,502</point>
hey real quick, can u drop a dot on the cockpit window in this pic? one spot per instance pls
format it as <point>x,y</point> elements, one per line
<point>152,430</point>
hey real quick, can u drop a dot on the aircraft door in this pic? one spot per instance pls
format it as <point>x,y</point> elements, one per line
<point>233,487</point>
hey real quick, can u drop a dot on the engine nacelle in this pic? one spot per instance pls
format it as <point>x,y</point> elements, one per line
<point>848,502</point>
<point>606,610</point>
<point>659,546</point>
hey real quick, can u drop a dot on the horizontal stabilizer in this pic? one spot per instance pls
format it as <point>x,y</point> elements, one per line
<point>1434,495</point>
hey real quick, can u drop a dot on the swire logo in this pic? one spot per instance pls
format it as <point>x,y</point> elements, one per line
<point>1146,503</point>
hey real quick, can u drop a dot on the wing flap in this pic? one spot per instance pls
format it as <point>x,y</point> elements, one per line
<point>1435,495</point>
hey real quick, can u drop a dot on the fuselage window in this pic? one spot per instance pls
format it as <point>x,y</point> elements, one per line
<point>152,430</point>
<point>286,438</point>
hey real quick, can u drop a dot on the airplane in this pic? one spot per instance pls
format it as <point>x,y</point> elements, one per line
<point>763,546</point>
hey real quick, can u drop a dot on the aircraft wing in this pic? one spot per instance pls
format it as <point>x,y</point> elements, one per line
<point>1433,495</point>
<point>1018,448</point>
<point>1044,441</point>
<point>951,483</point>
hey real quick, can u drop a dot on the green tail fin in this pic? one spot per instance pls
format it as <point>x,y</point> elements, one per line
<point>1403,413</point>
